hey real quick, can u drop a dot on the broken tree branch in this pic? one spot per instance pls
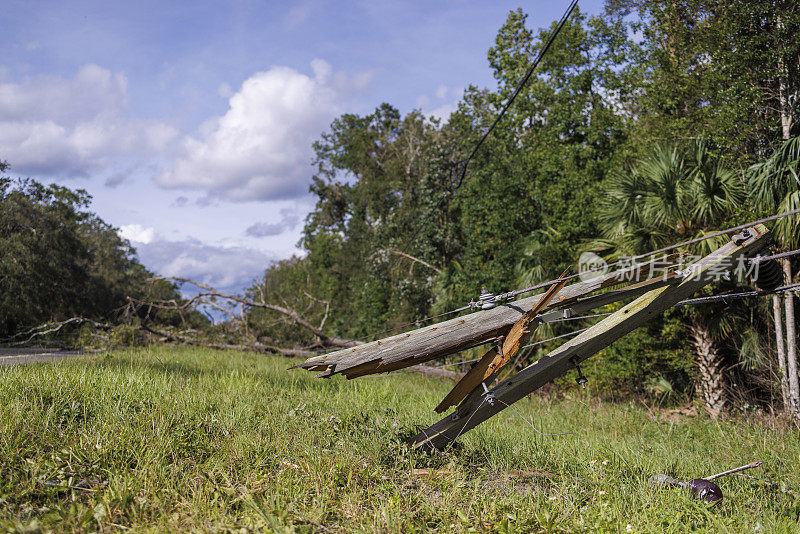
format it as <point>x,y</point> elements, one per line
<point>285,310</point>
<point>173,337</point>
<point>413,259</point>
<point>51,328</point>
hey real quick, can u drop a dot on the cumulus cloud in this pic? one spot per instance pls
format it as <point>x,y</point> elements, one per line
<point>136,233</point>
<point>59,126</point>
<point>289,220</point>
<point>261,148</point>
<point>225,268</point>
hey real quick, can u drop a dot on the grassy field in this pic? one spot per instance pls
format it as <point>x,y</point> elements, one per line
<point>187,439</point>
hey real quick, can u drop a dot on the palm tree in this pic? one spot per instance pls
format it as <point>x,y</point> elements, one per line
<point>775,186</point>
<point>674,195</point>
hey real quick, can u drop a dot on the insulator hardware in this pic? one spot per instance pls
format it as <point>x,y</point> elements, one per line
<point>740,238</point>
<point>486,300</point>
<point>488,395</point>
<point>581,380</point>
<point>767,275</point>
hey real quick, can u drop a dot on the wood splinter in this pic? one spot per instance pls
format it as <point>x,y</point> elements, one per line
<point>498,356</point>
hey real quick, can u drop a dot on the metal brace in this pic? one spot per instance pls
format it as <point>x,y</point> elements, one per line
<point>490,398</point>
<point>555,315</point>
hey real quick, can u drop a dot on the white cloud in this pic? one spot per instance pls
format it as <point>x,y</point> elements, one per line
<point>446,106</point>
<point>442,104</point>
<point>57,126</point>
<point>136,233</point>
<point>261,148</point>
<point>443,112</point>
<point>225,268</point>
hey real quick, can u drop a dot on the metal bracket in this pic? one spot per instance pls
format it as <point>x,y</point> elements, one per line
<point>490,398</point>
<point>555,315</point>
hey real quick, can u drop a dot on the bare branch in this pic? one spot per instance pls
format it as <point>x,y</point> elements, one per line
<point>327,304</point>
<point>171,337</point>
<point>413,259</point>
<point>285,310</point>
<point>49,328</point>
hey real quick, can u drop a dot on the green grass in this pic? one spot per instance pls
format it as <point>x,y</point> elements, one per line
<point>176,440</point>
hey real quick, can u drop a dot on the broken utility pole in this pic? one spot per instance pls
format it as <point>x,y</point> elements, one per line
<point>509,324</point>
<point>449,337</point>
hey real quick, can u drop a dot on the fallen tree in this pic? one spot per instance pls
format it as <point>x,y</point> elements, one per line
<point>208,297</point>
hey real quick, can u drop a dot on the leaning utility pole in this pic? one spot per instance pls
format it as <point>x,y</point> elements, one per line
<point>509,325</point>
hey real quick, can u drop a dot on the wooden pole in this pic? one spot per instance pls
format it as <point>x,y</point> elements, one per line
<point>478,408</point>
<point>448,337</point>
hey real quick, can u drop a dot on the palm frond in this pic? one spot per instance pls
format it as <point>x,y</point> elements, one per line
<point>751,351</point>
<point>774,179</point>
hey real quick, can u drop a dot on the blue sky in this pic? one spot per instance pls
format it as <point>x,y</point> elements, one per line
<point>191,123</point>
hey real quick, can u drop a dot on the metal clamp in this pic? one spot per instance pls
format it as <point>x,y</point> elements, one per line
<point>740,238</point>
<point>555,315</point>
<point>490,398</point>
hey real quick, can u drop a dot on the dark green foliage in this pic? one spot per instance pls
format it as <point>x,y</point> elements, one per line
<point>379,177</point>
<point>605,137</point>
<point>59,260</point>
<point>724,71</point>
<point>634,365</point>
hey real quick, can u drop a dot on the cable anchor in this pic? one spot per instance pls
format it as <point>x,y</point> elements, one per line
<point>490,398</point>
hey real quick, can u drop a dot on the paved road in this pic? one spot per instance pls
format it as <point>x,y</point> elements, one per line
<point>23,356</point>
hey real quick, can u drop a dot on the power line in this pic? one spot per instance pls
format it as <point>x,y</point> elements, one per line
<point>459,170</point>
<point>759,259</point>
<point>688,302</point>
<point>579,317</point>
<point>735,296</point>
<point>464,163</point>
<point>556,337</point>
<point>511,294</point>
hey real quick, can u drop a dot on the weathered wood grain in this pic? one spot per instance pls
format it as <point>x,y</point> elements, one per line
<point>448,337</point>
<point>497,358</point>
<point>588,343</point>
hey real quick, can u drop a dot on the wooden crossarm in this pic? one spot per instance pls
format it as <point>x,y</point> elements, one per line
<point>454,335</point>
<point>596,338</point>
<point>498,357</point>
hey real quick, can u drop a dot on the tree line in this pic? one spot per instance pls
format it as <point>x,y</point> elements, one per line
<point>657,122</point>
<point>61,262</point>
<point>654,123</point>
